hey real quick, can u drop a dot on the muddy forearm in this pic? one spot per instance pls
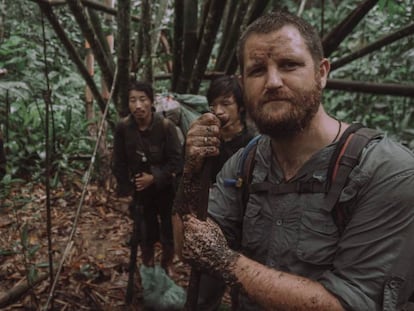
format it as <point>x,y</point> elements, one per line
<point>187,199</point>
<point>186,202</point>
<point>205,247</point>
<point>276,290</point>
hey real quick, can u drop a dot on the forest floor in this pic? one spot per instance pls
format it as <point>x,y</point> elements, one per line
<point>94,275</point>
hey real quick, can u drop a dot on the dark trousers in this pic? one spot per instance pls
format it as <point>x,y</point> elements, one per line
<point>156,225</point>
<point>210,293</point>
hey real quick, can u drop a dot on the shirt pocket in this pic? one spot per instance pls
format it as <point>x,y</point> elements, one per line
<point>317,238</point>
<point>156,152</point>
<point>256,230</point>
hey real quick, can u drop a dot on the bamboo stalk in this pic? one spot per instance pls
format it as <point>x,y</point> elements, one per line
<point>337,35</point>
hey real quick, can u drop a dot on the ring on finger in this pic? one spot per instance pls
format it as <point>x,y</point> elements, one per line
<point>205,140</point>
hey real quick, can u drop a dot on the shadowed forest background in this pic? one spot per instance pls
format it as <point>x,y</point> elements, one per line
<point>64,70</point>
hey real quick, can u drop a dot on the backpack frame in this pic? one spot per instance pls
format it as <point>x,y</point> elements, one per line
<point>345,157</point>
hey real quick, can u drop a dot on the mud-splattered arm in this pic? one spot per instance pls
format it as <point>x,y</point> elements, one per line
<point>206,248</point>
<point>202,141</point>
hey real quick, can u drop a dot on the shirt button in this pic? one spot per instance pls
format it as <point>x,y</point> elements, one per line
<point>279,222</point>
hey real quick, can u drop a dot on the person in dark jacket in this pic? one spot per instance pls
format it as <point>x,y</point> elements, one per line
<point>225,100</point>
<point>147,157</point>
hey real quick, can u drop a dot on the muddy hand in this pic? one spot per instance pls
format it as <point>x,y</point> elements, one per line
<point>205,247</point>
<point>202,141</point>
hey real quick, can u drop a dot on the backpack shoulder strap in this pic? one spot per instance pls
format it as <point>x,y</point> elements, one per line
<point>165,122</point>
<point>345,158</point>
<point>245,166</point>
<point>245,171</point>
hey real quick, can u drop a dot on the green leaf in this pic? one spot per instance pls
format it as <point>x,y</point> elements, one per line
<point>33,250</point>
<point>32,275</point>
<point>24,236</point>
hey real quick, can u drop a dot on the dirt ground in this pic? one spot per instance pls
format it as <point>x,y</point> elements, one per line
<point>94,275</point>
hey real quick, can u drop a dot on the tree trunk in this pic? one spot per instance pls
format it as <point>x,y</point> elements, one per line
<point>401,33</point>
<point>2,19</point>
<point>228,52</point>
<point>177,42</point>
<point>147,29</point>
<point>156,35</point>
<point>73,54</point>
<point>167,50</point>
<point>190,41</point>
<point>337,35</point>
<point>228,17</point>
<point>90,112</point>
<point>209,34</point>
<point>137,48</point>
<point>256,9</point>
<point>373,88</point>
<point>89,33</point>
<point>202,24</point>
<point>123,35</point>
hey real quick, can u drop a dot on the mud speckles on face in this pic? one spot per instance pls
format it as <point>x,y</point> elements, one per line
<point>314,300</point>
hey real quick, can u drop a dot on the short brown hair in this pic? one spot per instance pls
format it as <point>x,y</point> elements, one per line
<point>274,21</point>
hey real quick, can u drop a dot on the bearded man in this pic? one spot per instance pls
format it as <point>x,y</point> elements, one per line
<point>284,250</point>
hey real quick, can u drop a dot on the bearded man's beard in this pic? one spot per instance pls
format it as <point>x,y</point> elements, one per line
<point>303,108</point>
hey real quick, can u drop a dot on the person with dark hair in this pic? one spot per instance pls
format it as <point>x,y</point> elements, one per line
<point>303,239</point>
<point>225,99</point>
<point>146,158</point>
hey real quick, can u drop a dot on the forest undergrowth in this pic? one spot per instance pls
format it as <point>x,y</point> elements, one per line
<point>95,272</point>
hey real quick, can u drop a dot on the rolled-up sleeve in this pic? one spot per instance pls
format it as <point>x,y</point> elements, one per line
<point>375,254</point>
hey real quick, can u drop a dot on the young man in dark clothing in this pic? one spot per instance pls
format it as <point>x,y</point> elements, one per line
<point>225,99</point>
<point>147,157</point>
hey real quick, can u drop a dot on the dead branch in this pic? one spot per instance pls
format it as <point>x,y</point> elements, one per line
<point>73,54</point>
<point>91,4</point>
<point>105,63</point>
<point>373,88</point>
<point>337,35</point>
<point>20,289</point>
<point>387,40</point>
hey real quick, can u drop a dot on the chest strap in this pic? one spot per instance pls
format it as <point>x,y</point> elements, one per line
<point>294,187</point>
<point>345,159</point>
